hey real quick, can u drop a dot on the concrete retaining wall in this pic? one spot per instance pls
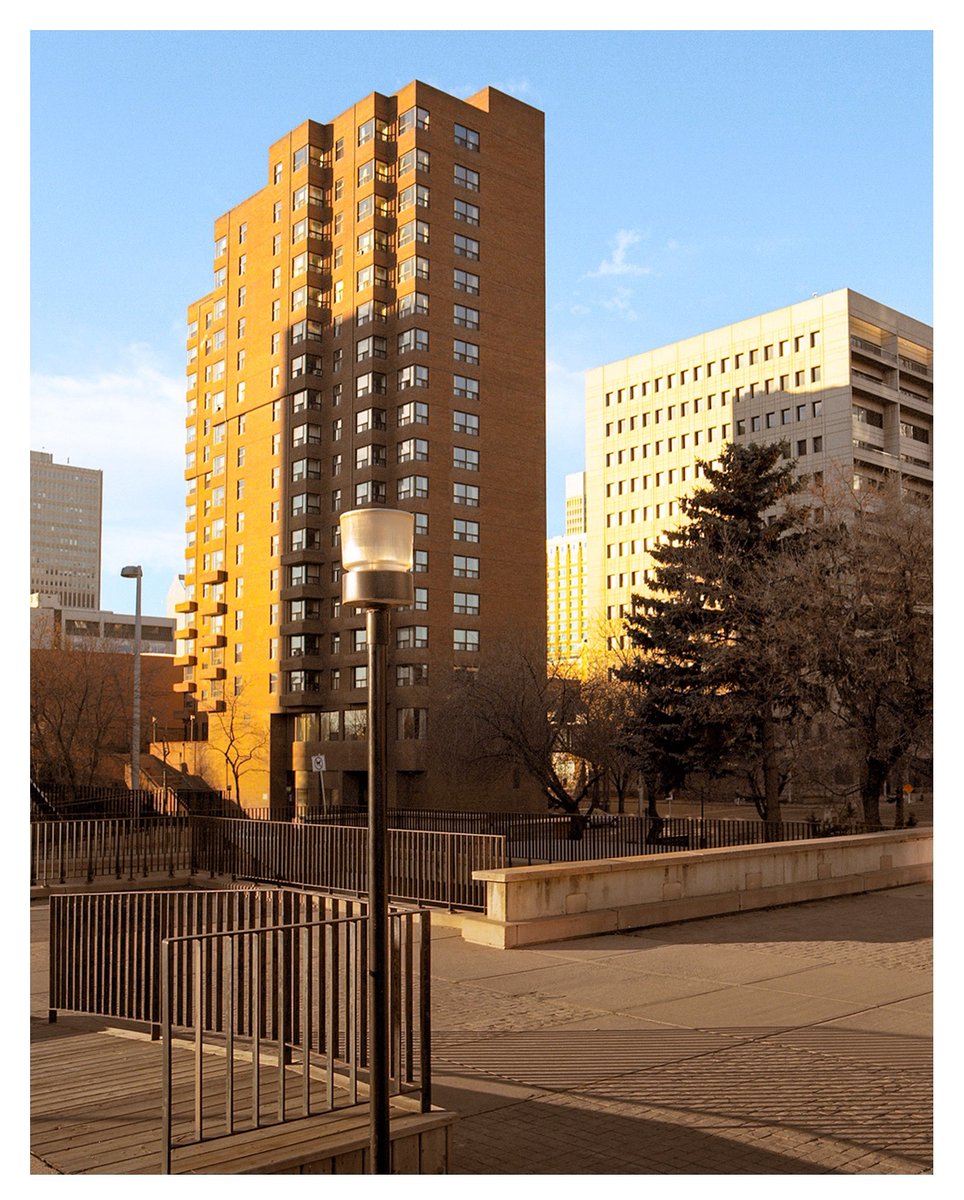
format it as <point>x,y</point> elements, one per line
<point>529,905</point>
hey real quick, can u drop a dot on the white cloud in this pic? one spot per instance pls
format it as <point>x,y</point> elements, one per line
<point>129,423</point>
<point>621,302</point>
<point>616,263</point>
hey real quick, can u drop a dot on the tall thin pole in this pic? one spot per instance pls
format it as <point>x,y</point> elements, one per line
<point>136,717</point>
<point>376,623</point>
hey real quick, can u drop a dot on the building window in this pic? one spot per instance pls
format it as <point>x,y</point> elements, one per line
<point>467,178</point>
<point>412,339</point>
<point>463,211</point>
<point>412,724</point>
<point>413,268</point>
<point>413,118</point>
<point>413,450</point>
<point>411,637</point>
<point>412,376</point>
<point>467,138</point>
<point>415,412</point>
<point>465,493</point>
<point>370,384</point>
<point>465,531</point>
<point>411,674</point>
<point>463,422</point>
<point>466,317</point>
<point>467,352</point>
<point>413,231</point>
<point>415,195</point>
<point>464,459</point>
<point>465,640</point>
<point>414,160</point>
<point>466,247</point>
<point>465,387</point>
<point>465,281</point>
<point>412,487</point>
<point>466,603</point>
<point>371,455</point>
<point>415,303</point>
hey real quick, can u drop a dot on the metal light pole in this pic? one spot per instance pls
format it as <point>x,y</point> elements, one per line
<point>376,557</point>
<point>136,573</point>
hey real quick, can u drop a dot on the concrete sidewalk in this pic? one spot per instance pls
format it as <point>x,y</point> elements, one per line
<point>786,1041</point>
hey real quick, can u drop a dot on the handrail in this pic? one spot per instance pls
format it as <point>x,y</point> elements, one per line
<point>300,987</point>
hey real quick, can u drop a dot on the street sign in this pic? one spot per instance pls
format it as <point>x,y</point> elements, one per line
<point>318,762</point>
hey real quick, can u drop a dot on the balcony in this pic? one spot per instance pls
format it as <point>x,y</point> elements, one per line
<point>213,608</point>
<point>185,606</point>
<point>211,641</point>
<point>185,660</point>
<point>185,686</point>
<point>915,367</point>
<point>872,350</point>
<point>209,706</point>
<point>218,576</point>
<point>185,633</point>
<point>213,673</point>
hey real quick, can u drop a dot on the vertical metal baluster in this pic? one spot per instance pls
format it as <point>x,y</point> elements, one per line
<point>255,986</point>
<point>167,978</point>
<point>281,1001</point>
<point>198,1044</point>
<point>305,936</point>
<point>331,1005</point>
<point>425,1008</point>
<point>408,929</point>
<point>229,1035</point>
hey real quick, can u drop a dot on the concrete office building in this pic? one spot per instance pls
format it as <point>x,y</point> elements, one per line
<point>375,335</point>
<point>566,629</point>
<point>65,539</point>
<point>847,381</point>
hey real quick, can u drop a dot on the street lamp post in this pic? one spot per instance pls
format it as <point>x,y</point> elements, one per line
<point>136,573</point>
<point>376,557</point>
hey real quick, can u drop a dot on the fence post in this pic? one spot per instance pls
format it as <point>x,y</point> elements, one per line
<point>425,1008</point>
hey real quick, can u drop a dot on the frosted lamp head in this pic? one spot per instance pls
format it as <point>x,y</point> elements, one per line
<point>376,556</point>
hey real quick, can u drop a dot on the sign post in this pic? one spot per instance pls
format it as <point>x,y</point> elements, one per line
<point>318,765</point>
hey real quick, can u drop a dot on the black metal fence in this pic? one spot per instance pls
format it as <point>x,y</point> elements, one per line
<point>61,802</point>
<point>555,837</point>
<point>424,866</point>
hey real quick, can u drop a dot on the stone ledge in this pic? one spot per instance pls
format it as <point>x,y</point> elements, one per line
<point>533,905</point>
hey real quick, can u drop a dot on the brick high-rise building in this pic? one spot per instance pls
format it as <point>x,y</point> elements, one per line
<point>846,381</point>
<point>375,335</point>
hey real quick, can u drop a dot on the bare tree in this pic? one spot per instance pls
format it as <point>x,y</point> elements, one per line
<point>518,713</point>
<point>870,624</point>
<point>237,737</point>
<point>79,711</point>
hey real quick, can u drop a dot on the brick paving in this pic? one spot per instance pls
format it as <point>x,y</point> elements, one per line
<point>792,1041</point>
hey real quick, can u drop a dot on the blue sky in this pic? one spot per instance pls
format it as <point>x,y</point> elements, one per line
<point>692,179</point>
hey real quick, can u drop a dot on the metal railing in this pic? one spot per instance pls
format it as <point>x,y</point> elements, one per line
<point>424,866</point>
<point>268,987</point>
<point>278,1020</point>
<point>553,837</point>
<point>63,851</point>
